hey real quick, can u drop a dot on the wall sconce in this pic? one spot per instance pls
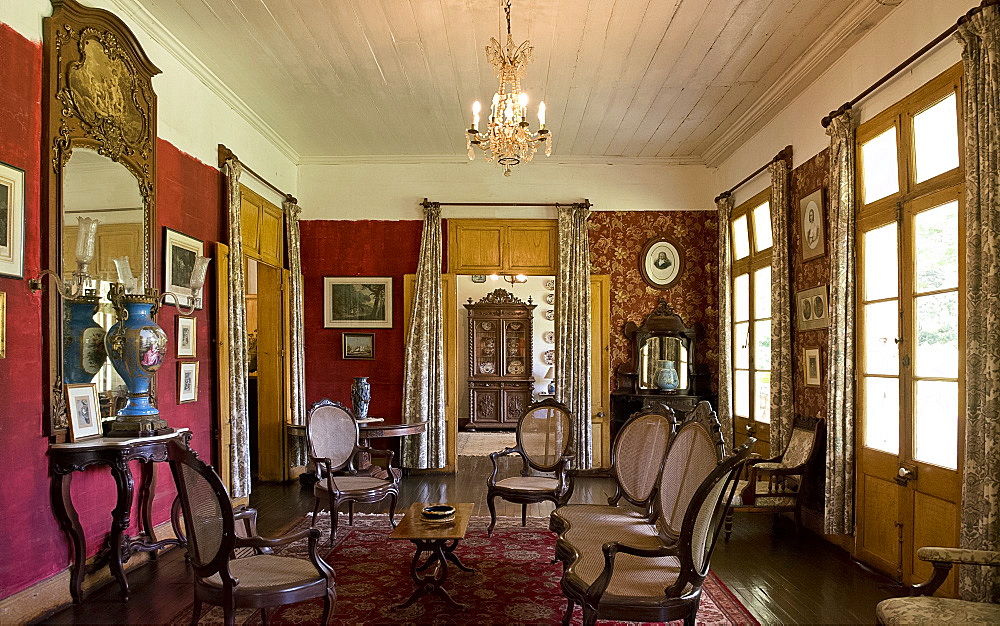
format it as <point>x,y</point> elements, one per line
<point>85,245</point>
<point>513,279</point>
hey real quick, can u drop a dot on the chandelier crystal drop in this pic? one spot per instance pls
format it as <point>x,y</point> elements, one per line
<point>507,139</point>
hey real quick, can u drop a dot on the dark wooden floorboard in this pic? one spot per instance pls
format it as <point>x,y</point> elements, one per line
<point>780,579</point>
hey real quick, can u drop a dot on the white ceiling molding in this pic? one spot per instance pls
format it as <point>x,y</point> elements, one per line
<point>795,79</point>
<point>145,20</point>
<point>418,159</point>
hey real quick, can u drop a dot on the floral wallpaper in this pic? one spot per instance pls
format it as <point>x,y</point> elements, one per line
<point>616,239</point>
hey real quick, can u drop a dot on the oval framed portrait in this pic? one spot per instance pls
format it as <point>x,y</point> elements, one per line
<point>661,262</point>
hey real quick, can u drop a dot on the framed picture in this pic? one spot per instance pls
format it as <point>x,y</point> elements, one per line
<point>187,337</point>
<point>812,221</point>
<point>362,302</point>
<point>84,411</point>
<point>359,346</point>
<point>661,262</point>
<point>811,365</point>
<point>179,253</point>
<point>187,382</point>
<point>812,309</point>
<point>11,221</point>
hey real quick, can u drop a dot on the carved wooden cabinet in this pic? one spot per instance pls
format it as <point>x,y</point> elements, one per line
<point>500,380</point>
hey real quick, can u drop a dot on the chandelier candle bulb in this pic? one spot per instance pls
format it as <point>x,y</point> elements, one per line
<point>541,115</point>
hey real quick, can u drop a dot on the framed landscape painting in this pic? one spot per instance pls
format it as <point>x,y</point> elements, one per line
<point>11,221</point>
<point>179,253</point>
<point>357,302</point>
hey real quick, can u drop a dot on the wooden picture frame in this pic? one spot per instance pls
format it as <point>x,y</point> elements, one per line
<point>812,308</point>
<point>187,337</point>
<point>812,224</point>
<point>357,302</point>
<point>83,409</point>
<point>360,346</point>
<point>179,253</point>
<point>811,367</point>
<point>11,221</point>
<point>187,382</point>
<point>661,262</point>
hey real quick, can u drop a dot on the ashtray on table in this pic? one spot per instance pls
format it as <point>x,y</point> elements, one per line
<point>438,513</point>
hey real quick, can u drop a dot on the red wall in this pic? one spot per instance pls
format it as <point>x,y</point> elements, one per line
<point>189,201</point>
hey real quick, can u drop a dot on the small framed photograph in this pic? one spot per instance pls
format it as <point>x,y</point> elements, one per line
<point>811,365</point>
<point>187,382</point>
<point>179,253</point>
<point>84,411</point>
<point>812,310</point>
<point>813,221</point>
<point>357,302</point>
<point>661,262</point>
<point>359,346</point>
<point>187,337</point>
<point>11,221</point>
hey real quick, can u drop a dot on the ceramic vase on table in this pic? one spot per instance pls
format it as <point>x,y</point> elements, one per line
<point>136,346</point>
<point>666,376</point>
<point>83,350</point>
<point>361,395</point>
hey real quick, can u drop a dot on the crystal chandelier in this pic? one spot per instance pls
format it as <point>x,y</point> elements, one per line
<point>507,138</point>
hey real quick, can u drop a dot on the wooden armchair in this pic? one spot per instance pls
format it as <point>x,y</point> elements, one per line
<point>332,439</point>
<point>259,581</point>
<point>544,436</point>
<point>778,484</point>
<point>922,608</point>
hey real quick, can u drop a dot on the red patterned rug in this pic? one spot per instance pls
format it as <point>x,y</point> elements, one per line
<point>514,580</point>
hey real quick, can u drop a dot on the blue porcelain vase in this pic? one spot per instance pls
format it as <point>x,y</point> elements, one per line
<point>136,346</point>
<point>361,395</point>
<point>666,376</point>
<point>83,340</point>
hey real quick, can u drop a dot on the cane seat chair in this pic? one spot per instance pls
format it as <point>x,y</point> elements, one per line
<point>332,439</point>
<point>659,580</point>
<point>544,436</point>
<point>260,580</point>
<point>779,484</point>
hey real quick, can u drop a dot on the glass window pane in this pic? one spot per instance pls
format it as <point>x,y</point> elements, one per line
<point>936,247</point>
<point>741,298</point>
<point>935,139</point>
<point>762,397</point>
<point>762,293</point>
<point>741,239</point>
<point>936,423</point>
<point>880,333</point>
<point>762,226</point>
<point>881,274</point>
<point>882,414</point>
<point>762,345</point>
<point>937,335</point>
<point>880,170</point>
<point>741,393</point>
<point>741,344</point>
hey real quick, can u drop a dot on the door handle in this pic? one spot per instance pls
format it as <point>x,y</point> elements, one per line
<point>905,475</point>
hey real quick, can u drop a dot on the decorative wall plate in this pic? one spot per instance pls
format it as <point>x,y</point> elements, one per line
<point>515,367</point>
<point>486,325</point>
<point>550,284</point>
<point>486,367</point>
<point>550,314</point>
<point>550,298</point>
<point>549,357</point>
<point>514,326</point>
<point>549,336</point>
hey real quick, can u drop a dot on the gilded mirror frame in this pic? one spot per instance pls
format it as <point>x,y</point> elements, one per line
<point>97,93</point>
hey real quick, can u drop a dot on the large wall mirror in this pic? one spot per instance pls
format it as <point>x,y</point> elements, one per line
<point>99,134</point>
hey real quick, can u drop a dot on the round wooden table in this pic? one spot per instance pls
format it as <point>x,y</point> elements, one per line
<point>379,430</point>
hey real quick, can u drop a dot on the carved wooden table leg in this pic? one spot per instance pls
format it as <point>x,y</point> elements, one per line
<point>147,489</point>
<point>437,560</point>
<point>69,521</point>
<point>120,521</point>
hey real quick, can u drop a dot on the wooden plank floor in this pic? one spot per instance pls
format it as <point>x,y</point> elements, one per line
<point>779,579</point>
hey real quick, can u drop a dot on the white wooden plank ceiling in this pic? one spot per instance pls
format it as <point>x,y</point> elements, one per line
<point>620,78</point>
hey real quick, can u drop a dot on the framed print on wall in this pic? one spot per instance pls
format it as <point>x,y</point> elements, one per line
<point>187,337</point>
<point>811,365</point>
<point>359,346</point>
<point>84,411</point>
<point>357,302</point>
<point>11,221</point>
<point>812,221</point>
<point>179,253</point>
<point>187,382</point>
<point>661,262</point>
<point>812,310</point>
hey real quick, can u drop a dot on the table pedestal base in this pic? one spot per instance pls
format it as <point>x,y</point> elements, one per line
<point>440,553</point>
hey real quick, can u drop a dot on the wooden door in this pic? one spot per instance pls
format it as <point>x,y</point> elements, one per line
<point>600,369</point>
<point>224,436</point>
<point>271,396</point>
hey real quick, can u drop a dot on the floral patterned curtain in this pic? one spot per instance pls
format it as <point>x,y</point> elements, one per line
<point>980,529</point>
<point>296,335</point>
<point>838,516</point>
<point>725,408</point>
<point>423,360</point>
<point>238,365</point>
<point>782,373</point>
<point>573,327</point>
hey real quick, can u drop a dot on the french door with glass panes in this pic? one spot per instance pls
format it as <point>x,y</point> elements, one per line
<point>751,307</point>
<point>910,323</point>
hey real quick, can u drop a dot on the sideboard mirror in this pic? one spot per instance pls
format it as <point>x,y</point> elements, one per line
<point>662,353</point>
<point>99,182</point>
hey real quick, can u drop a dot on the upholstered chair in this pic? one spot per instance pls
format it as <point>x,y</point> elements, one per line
<point>258,580</point>
<point>544,436</point>
<point>332,438</point>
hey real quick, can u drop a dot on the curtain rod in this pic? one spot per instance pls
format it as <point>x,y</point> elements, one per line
<point>899,68</point>
<point>225,154</point>
<point>785,155</point>
<point>585,204</point>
